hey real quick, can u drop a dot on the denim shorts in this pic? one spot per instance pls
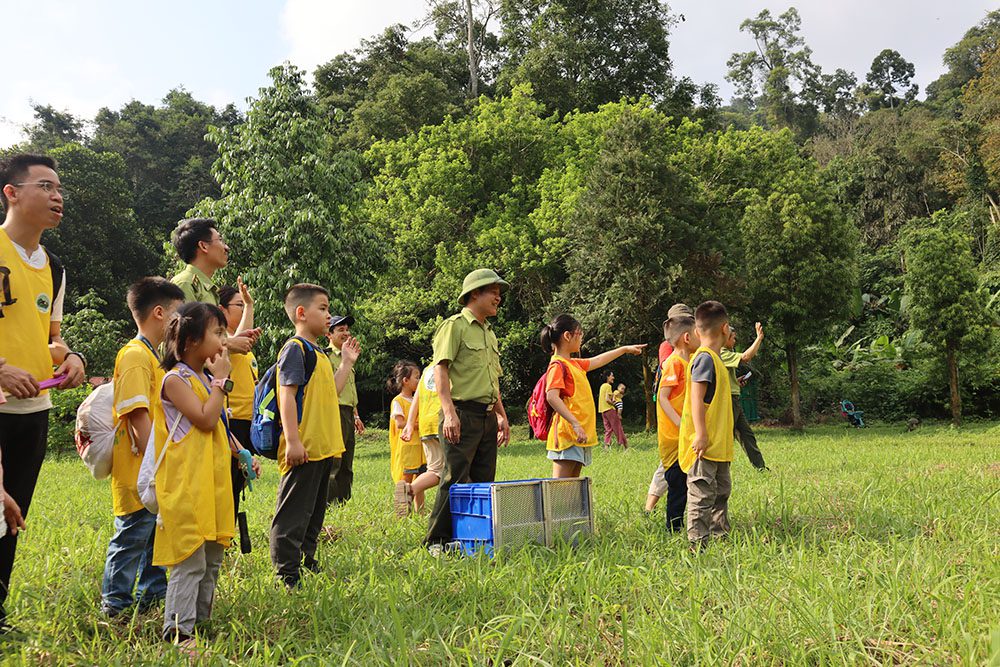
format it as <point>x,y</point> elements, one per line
<point>584,455</point>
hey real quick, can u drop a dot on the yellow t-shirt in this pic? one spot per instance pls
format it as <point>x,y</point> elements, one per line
<point>194,487</point>
<point>137,379</point>
<point>319,428</point>
<point>673,374</point>
<point>244,376</point>
<point>403,456</point>
<point>604,399</point>
<point>574,389</point>
<point>718,418</point>
<point>428,404</point>
<point>26,308</point>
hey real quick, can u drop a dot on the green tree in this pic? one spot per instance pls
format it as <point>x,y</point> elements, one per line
<point>87,329</point>
<point>53,128</point>
<point>779,76</point>
<point>98,239</point>
<point>638,237</point>
<point>964,60</point>
<point>890,81</point>
<point>945,302</point>
<point>287,196</point>
<point>799,250</point>
<point>580,54</point>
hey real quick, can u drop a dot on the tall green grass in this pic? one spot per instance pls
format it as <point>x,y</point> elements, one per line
<point>859,547</point>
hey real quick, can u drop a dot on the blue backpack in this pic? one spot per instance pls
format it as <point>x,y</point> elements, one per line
<point>265,426</point>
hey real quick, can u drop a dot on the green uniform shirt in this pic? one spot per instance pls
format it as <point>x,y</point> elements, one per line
<point>349,396</point>
<point>473,357</point>
<point>196,285</point>
<point>731,360</point>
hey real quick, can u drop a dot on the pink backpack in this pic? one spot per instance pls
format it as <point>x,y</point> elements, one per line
<point>540,413</point>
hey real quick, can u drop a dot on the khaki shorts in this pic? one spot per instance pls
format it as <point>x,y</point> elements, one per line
<point>434,453</point>
<point>658,485</point>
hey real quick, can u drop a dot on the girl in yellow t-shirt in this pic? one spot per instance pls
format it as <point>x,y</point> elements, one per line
<point>573,431</point>
<point>406,459</point>
<point>193,485</point>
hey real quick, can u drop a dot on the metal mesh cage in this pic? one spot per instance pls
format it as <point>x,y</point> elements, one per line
<point>569,511</point>
<point>518,516</point>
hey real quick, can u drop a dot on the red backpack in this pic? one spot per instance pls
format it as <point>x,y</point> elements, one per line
<point>540,413</point>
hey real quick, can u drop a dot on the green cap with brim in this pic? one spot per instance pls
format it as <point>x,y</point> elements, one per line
<point>481,278</point>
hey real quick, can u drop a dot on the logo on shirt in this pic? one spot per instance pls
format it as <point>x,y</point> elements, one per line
<point>430,382</point>
<point>43,303</point>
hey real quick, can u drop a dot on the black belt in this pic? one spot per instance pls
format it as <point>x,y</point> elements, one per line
<point>475,406</point>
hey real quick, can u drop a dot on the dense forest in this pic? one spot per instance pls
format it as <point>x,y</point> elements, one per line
<point>554,141</point>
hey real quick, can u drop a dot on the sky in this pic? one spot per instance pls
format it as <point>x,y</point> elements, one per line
<point>82,55</point>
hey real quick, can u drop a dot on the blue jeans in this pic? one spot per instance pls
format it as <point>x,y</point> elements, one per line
<point>130,557</point>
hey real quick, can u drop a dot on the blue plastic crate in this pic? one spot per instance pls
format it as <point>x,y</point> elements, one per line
<point>489,516</point>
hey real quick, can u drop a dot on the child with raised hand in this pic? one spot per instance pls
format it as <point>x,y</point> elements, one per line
<point>705,440</point>
<point>425,413</point>
<point>406,458</point>
<point>193,483</point>
<point>573,432</point>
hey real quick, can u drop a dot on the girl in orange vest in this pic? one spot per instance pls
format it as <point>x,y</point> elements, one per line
<point>573,432</point>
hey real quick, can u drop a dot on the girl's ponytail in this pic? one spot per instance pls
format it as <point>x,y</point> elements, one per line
<point>188,325</point>
<point>402,370</point>
<point>553,332</point>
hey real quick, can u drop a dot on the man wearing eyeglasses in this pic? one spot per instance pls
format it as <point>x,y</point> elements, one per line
<point>32,289</point>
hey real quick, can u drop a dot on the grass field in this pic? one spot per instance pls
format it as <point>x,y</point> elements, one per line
<point>860,547</point>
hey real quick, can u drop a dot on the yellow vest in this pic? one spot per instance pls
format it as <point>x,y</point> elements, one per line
<point>319,429</point>
<point>138,379</point>
<point>718,418</point>
<point>26,305</point>
<point>428,404</point>
<point>398,448</point>
<point>244,377</point>
<point>580,404</point>
<point>193,487</point>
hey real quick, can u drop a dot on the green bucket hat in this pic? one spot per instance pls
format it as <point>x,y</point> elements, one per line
<point>481,278</point>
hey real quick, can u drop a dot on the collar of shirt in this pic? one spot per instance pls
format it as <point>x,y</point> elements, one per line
<point>470,318</point>
<point>35,260</point>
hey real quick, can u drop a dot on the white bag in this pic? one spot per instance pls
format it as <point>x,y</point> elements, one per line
<point>95,430</point>
<point>146,484</point>
<point>3,521</point>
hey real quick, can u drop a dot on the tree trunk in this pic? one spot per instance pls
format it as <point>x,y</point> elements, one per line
<point>473,64</point>
<point>647,392</point>
<point>792,355</point>
<point>956,397</point>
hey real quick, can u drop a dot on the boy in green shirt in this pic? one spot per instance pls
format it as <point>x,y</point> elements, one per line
<point>732,360</point>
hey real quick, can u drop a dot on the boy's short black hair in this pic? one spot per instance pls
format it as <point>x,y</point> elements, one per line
<point>677,327</point>
<point>710,314</point>
<point>302,295</point>
<point>147,293</point>
<point>189,233</point>
<point>14,169</point>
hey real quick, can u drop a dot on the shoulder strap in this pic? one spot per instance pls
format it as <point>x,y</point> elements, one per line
<point>56,267</point>
<point>309,354</point>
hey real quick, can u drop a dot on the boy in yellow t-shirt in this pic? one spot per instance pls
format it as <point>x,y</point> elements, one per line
<point>670,397</point>
<point>705,442</point>
<point>137,380</point>
<point>311,442</point>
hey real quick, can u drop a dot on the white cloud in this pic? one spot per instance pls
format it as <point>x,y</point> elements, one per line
<point>318,30</point>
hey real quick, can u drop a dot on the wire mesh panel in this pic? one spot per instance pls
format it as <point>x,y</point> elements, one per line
<point>518,514</point>
<point>569,511</point>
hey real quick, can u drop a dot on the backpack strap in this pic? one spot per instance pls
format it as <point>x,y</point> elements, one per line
<point>309,354</point>
<point>57,269</point>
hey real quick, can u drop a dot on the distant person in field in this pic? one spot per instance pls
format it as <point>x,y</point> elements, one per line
<point>733,360</point>
<point>138,379</point>
<point>467,376</point>
<point>32,290</point>
<point>618,399</point>
<point>609,415</point>
<point>705,440</point>
<point>351,425</point>
<point>424,417</point>
<point>406,458</point>
<point>573,432</point>
<point>658,484</point>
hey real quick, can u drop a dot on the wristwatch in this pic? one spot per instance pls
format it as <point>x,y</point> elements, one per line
<point>73,353</point>
<point>225,384</point>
